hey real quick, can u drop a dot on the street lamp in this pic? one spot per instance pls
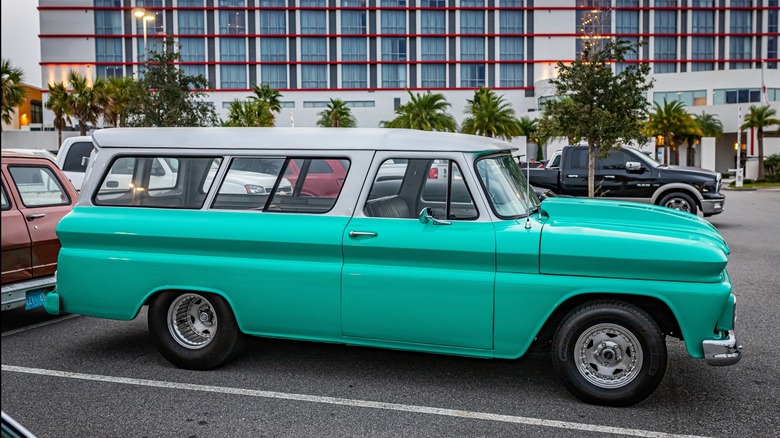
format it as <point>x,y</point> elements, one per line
<point>141,14</point>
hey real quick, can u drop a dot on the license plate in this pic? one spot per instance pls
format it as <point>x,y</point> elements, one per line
<point>35,299</point>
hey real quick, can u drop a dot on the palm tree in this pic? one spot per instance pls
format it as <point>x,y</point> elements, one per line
<point>758,118</point>
<point>13,92</point>
<point>249,113</point>
<point>672,122</point>
<point>270,96</point>
<point>336,115</point>
<point>116,98</point>
<point>530,129</point>
<point>59,103</point>
<point>426,112</point>
<point>490,116</point>
<point>85,100</point>
<point>705,125</point>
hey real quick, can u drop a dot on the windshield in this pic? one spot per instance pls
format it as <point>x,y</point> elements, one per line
<point>506,186</point>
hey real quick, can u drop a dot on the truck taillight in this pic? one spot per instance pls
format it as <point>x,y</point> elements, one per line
<point>433,173</point>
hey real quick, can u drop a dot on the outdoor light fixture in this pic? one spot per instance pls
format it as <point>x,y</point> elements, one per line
<point>141,14</point>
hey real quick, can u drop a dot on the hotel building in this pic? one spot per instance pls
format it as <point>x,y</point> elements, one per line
<point>714,55</point>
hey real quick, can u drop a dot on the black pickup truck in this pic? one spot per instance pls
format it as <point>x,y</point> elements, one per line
<point>630,175</point>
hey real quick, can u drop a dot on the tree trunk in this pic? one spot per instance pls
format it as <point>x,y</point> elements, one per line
<point>591,170</point>
<point>761,175</point>
<point>59,138</point>
<point>82,128</point>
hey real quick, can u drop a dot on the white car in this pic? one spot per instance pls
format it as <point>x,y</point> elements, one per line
<point>73,158</point>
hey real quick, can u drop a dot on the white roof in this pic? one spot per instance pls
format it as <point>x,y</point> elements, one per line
<point>296,138</point>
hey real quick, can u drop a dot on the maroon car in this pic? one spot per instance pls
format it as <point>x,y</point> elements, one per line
<point>35,196</point>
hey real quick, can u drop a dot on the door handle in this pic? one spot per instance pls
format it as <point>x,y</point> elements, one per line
<point>361,234</point>
<point>31,217</point>
<point>572,176</point>
<point>609,176</point>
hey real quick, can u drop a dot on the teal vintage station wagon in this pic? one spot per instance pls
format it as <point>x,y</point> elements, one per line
<point>410,240</point>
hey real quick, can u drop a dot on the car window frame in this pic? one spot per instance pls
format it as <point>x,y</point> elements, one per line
<point>67,201</point>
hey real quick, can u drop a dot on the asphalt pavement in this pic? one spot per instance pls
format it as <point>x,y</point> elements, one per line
<point>79,376</point>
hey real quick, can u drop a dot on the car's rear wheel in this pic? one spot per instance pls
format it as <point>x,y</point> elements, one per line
<point>195,331</point>
<point>609,353</point>
<point>679,201</point>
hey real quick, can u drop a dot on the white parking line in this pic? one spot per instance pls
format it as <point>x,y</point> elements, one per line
<point>347,402</point>
<point>35,326</point>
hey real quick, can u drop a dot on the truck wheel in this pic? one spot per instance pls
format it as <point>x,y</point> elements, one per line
<point>609,353</point>
<point>679,201</point>
<point>195,331</point>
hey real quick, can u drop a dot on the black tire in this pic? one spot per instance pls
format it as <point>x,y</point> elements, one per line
<point>203,336</point>
<point>679,201</point>
<point>609,331</point>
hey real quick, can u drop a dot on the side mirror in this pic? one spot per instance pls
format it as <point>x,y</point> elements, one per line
<point>426,215</point>
<point>634,166</point>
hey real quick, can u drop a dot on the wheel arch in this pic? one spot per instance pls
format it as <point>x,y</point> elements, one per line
<point>677,187</point>
<point>659,310</point>
<point>154,293</point>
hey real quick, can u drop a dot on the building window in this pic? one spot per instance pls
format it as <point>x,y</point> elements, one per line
<point>273,49</point>
<point>594,18</point>
<point>393,22</point>
<point>353,22</point>
<point>702,48</point>
<point>433,22</point>
<point>313,23</point>
<point>511,50</point>
<point>743,95</point>
<point>740,48</point>
<point>232,23</point>
<point>472,49</point>
<point>274,75</point>
<point>510,22</point>
<point>155,26</point>
<point>472,22</point>
<point>314,49</point>
<point>433,49</point>
<point>354,76</point>
<point>192,22</point>
<point>193,50</point>
<point>703,21</point>
<point>314,76</point>
<point>688,98</point>
<point>108,50</point>
<point>232,50</point>
<point>273,22</point>
<point>36,111</point>
<point>394,75</point>
<point>393,49</point>
<point>665,48</point>
<point>108,22</point>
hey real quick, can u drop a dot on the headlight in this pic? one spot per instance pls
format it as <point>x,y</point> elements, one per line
<point>709,187</point>
<point>254,189</point>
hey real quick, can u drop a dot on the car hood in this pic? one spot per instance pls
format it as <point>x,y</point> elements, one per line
<point>692,171</point>
<point>602,238</point>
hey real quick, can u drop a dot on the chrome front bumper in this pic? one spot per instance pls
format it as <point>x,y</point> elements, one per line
<point>722,352</point>
<point>710,207</point>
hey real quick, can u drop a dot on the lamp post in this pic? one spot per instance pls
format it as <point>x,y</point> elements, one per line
<point>141,14</point>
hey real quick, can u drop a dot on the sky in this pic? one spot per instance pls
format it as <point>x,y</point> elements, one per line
<point>20,43</point>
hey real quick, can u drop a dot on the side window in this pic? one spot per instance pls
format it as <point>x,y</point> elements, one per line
<point>402,188</point>
<point>556,162</point>
<point>578,158</point>
<point>153,182</point>
<point>6,201</point>
<point>248,183</point>
<point>312,187</point>
<point>38,186</point>
<point>78,157</point>
<point>615,161</point>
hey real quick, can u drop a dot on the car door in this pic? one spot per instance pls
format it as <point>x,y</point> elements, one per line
<point>413,282</point>
<point>44,200</point>
<point>17,255</point>
<point>619,182</point>
<point>574,172</point>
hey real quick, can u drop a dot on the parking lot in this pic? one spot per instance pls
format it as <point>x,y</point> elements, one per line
<point>79,376</point>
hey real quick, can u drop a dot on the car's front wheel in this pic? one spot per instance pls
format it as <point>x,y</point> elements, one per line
<point>609,353</point>
<point>196,331</point>
<point>679,201</point>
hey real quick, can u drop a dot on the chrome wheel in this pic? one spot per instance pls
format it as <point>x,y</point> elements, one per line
<point>678,204</point>
<point>608,356</point>
<point>192,321</point>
